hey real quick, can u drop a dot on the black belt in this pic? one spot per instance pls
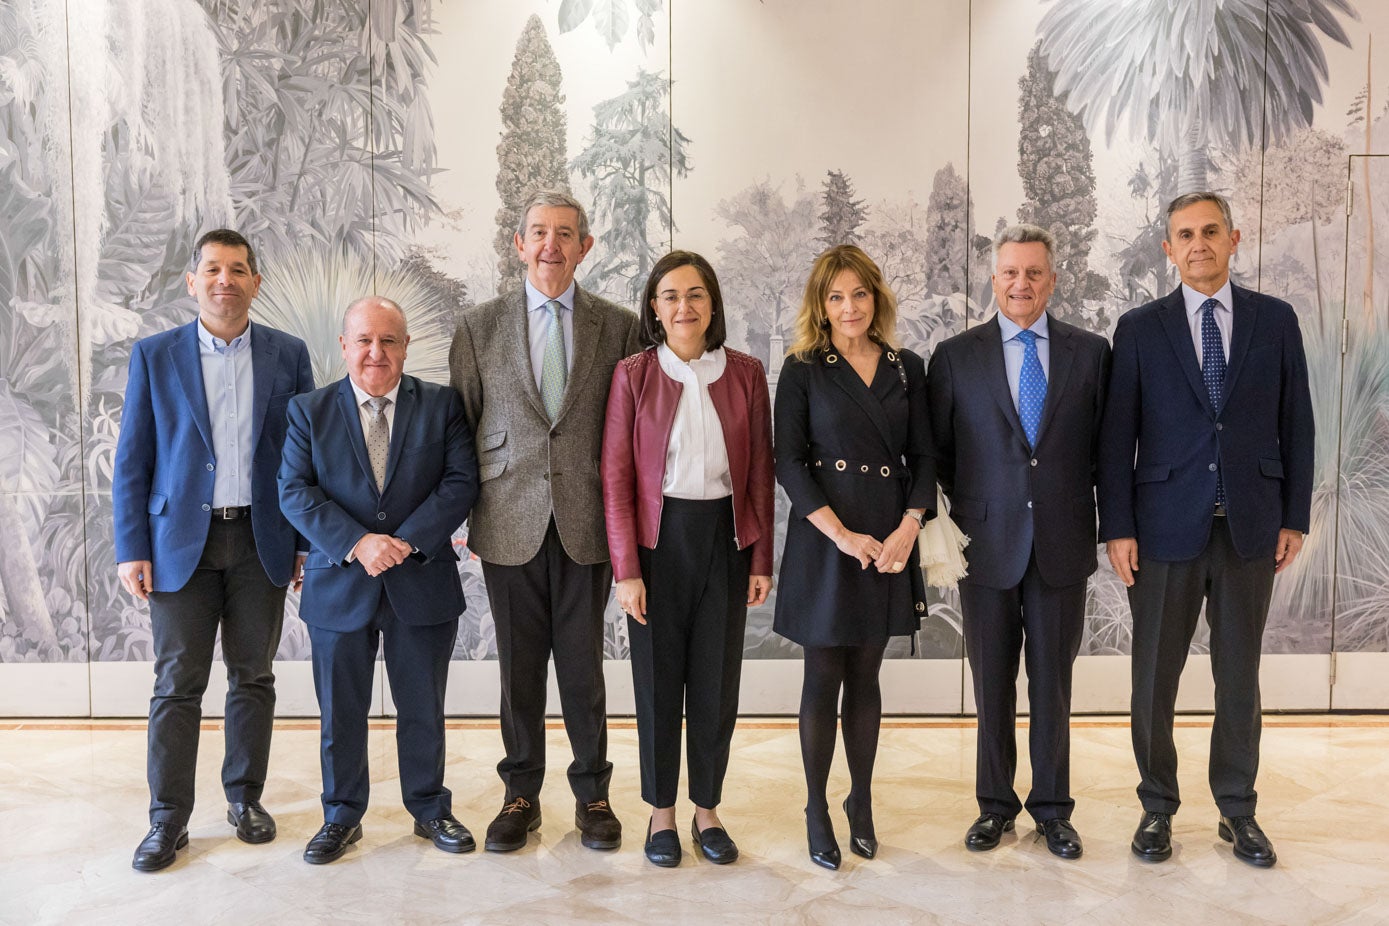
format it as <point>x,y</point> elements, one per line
<point>231,514</point>
<point>860,468</point>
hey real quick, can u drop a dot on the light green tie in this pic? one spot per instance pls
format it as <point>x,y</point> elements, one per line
<point>554,372</point>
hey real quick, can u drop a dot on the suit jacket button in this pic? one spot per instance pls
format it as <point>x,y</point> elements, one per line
<point>210,467</point>
<point>1219,426</point>
<point>545,476</point>
<point>1032,462</point>
<point>380,515</point>
<point>207,508</point>
<point>1212,467</point>
<point>1029,504</point>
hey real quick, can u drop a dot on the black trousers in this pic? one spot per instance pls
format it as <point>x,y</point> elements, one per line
<point>228,590</point>
<point>688,657</point>
<point>417,663</point>
<point>1166,602</point>
<point>551,605</point>
<point>1044,625</point>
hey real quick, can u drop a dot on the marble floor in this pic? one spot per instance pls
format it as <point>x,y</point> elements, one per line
<point>73,798</point>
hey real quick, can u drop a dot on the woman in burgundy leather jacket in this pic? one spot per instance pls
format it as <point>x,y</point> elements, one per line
<point>688,499</point>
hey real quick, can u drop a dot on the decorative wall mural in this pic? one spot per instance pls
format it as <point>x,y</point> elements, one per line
<point>385,145</point>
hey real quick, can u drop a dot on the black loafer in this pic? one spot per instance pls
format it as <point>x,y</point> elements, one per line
<point>516,821</point>
<point>662,847</point>
<point>252,823</point>
<point>714,841</point>
<point>1062,839</point>
<point>160,847</point>
<point>446,833</point>
<point>598,826</point>
<point>1152,842</point>
<point>1249,840</point>
<point>987,831</point>
<point>330,842</point>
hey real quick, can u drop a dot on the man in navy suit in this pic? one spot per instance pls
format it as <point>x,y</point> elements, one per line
<point>199,533</point>
<point>1205,491</point>
<point>378,473</point>
<point>1015,410</point>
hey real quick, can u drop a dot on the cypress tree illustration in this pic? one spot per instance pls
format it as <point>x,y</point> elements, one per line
<point>1058,178</point>
<point>532,153</point>
<point>841,215</point>
<point>949,228</point>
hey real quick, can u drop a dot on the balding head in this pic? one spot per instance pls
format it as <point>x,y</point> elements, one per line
<point>373,302</point>
<point>373,342</point>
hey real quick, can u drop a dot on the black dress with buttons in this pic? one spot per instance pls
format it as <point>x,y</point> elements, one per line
<point>865,451</point>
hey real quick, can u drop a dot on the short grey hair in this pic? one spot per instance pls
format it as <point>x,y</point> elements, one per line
<point>552,198</point>
<point>1026,234</point>
<point>1191,199</point>
<point>382,301</point>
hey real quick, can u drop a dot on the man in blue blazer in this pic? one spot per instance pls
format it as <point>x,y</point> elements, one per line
<point>199,533</point>
<point>1015,411</point>
<point>1205,491</point>
<point>378,473</point>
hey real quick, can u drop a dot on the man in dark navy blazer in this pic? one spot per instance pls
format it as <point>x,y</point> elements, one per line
<point>1015,410</point>
<point>1205,492</point>
<point>199,533</point>
<point>378,473</point>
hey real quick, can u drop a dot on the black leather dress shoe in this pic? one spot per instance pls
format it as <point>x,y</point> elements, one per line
<point>598,826</point>
<point>987,831</point>
<point>330,842</point>
<point>714,841</point>
<point>252,823</point>
<point>1250,842</point>
<point>160,847</point>
<point>1153,840</point>
<point>1062,839</point>
<point>446,833</point>
<point>662,847</point>
<point>509,830</point>
<point>862,840</point>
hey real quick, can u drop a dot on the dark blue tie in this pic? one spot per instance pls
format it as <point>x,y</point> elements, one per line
<point>1032,386</point>
<point>1213,372</point>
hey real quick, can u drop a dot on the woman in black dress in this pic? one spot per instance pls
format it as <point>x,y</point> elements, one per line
<point>853,452</point>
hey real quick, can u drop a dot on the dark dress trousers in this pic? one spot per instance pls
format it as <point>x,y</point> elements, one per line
<point>865,451</point>
<point>208,575</point>
<point>695,556</point>
<point>328,491</point>
<point>1030,515</point>
<point>1163,445</point>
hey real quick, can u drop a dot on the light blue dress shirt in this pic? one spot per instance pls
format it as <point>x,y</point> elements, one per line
<point>1224,316</point>
<point>538,326</point>
<point>230,385</point>
<point>1013,350</point>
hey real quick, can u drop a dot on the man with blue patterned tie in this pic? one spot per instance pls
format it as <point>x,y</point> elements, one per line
<point>1205,491</point>
<point>1015,410</point>
<point>533,368</point>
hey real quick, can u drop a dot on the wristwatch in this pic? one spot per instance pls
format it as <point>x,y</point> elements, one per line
<point>914,514</point>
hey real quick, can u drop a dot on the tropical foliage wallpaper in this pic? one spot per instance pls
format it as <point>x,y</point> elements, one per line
<point>384,145</point>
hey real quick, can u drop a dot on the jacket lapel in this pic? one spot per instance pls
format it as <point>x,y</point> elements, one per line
<point>843,375</point>
<point>988,351</point>
<point>188,364</point>
<point>263,353</point>
<point>1173,316</point>
<point>1241,334</point>
<point>519,337</point>
<point>1061,351</point>
<point>352,424</point>
<point>404,411</point>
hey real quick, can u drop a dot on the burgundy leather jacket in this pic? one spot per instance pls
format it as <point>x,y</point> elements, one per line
<point>641,413</point>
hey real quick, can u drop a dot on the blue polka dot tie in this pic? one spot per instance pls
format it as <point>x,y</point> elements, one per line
<point>1213,372</point>
<point>1032,386</point>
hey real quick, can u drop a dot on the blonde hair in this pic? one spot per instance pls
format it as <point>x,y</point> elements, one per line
<point>812,324</point>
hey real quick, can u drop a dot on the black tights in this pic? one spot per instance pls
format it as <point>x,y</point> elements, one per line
<point>828,669</point>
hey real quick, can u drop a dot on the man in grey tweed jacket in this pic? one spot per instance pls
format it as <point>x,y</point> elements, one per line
<point>533,369</point>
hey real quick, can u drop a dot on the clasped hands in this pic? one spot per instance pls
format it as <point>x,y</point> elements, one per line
<point>889,555</point>
<point>379,552</point>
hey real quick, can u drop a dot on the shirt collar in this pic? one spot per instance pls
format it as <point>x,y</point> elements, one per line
<point>212,343</point>
<point>1011,328</point>
<point>1225,295</point>
<point>362,394</point>
<point>711,361</point>
<point>535,299</point>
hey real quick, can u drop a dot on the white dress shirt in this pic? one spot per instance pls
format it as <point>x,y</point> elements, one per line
<point>1013,350</point>
<point>538,326</point>
<point>230,385</point>
<point>364,413</point>
<point>1224,317</point>
<point>696,458</point>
